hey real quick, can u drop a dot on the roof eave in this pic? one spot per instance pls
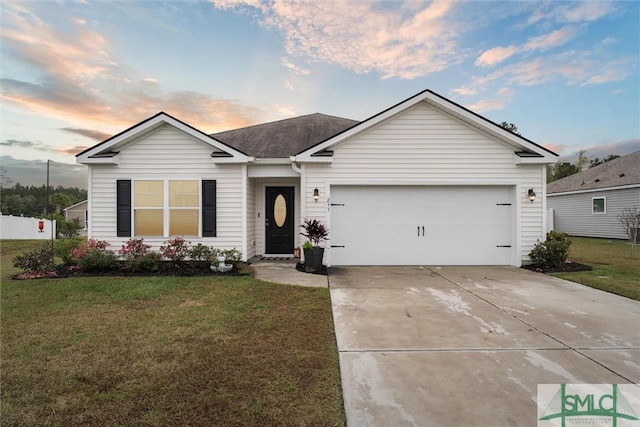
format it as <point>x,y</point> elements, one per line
<point>537,160</point>
<point>592,190</point>
<point>98,160</point>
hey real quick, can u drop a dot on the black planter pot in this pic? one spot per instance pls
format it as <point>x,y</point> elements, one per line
<point>313,258</point>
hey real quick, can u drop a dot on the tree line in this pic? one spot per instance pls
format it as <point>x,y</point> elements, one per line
<point>563,169</point>
<point>29,201</point>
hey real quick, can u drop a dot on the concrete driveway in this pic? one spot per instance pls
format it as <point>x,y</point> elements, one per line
<point>467,346</point>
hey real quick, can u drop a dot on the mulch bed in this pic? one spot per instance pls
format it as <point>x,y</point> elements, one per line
<point>569,267</point>
<point>185,269</point>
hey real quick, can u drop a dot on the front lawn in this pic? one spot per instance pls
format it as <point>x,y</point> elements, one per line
<point>232,351</point>
<point>614,270</point>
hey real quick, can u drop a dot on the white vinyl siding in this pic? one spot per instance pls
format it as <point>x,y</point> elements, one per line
<point>167,154</point>
<point>573,213</point>
<point>424,146</point>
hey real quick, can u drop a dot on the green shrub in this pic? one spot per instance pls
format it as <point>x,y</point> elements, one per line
<point>552,252</point>
<point>231,255</point>
<point>175,250</point>
<point>93,256</point>
<point>150,262</point>
<point>36,261</point>
<point>201,252</point>
<point>64,247</point>
<point>138,256</point>
<point>69,229</point>
<point>98,260</point>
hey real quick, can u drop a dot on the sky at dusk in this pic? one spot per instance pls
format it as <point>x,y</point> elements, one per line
<point>73,73</point>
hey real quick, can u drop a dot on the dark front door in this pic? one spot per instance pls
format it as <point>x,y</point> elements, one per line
<point>279,220</point>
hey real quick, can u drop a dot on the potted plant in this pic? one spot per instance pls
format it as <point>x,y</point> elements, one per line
<point>317,233</point>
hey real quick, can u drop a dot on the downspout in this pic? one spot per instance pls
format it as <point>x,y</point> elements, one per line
<point>245,247</point>
<point>544,202</point>
<point>89,203</point>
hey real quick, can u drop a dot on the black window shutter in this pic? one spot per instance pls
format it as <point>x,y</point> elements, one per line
<point>124,208</point>
<point>209,208</point>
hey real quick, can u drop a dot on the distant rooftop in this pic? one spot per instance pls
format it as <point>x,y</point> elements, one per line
<point>622,171</point>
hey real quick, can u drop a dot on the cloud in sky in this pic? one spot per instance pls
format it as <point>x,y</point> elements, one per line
<point>603,149</point>
<point>407,41</point>
<point>27,144</point>
<point>621,148</point>
<point>72,151</point>
<point>34,172</point>
<point>544,42</point>
<point>582,11</point>
<point>572,67</point>
<point>496,55</point>
<point>553,39</point>
<point>89,133</point>
<point>39,146</point>
<point>498,102</point>
<point>585,11</point>
<point>75,77</point>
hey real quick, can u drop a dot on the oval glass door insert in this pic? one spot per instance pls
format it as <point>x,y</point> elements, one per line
<point>280,210</point>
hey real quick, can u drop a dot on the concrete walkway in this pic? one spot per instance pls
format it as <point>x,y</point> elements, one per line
<point>286,273</point>
<point>467,346</point>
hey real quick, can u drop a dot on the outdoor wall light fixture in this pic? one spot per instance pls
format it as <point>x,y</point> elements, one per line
<point>316,195</point>
<point>532,195</point>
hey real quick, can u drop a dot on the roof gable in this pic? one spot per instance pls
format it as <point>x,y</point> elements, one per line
<point>623,171</point>
<point>106,152</point>
<point>529,151</point>
<point>284,138</point>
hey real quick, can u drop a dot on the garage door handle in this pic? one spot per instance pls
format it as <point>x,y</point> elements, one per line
<point>418,231</point>
<point>423,231</point>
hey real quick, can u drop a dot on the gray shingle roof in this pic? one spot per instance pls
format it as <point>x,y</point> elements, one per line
<point>624,170</point>
<point>286,137</point>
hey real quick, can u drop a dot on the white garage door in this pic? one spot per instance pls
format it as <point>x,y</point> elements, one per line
<point>410,225</point>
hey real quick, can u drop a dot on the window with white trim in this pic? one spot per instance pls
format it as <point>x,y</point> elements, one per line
<point>184,208</point>
<point>166,208</point>
<point>148,208</point>
<point>598,205</point>
<point>163,208</point>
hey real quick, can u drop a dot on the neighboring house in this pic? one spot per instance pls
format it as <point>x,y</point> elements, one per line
<point>77,211</point>
<point>425,182</point>
<point>588,203</point>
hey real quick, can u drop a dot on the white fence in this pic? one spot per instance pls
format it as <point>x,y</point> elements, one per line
<point>19,228</point>
<point>550,220</point>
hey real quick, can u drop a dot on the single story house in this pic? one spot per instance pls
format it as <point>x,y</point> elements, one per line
<point>588,203</point>
<point>79,212</point>
<point>424,182</point>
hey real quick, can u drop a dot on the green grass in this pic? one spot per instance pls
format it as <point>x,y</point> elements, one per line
<point>231,351</point>
<point>614,269</point>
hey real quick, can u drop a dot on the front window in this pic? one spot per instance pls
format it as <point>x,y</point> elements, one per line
<point>184,200</point>
<point>599,205</point>
<point>166,208</point>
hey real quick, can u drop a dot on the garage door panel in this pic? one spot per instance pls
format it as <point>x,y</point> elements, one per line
<point>383,225</point>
